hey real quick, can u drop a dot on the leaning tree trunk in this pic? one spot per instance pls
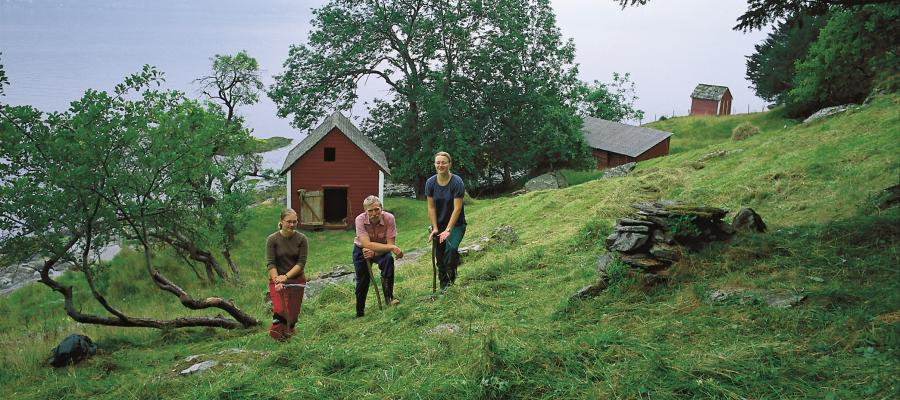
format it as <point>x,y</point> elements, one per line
<point>226,253</point>
<point>241,319</point>
<point>195,253</point>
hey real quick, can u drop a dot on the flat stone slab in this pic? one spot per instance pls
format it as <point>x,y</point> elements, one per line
<point>771,298</point>
<point>633,228</point>
<point>644,261</point>
<point>445,329</point>
<point>199,367</point>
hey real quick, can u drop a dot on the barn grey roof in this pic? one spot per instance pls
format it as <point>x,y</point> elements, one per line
<point>336,120</point>
<point>708,92</point>
<point>620,138</point>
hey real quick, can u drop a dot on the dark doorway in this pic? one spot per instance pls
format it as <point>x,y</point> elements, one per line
<point>335,202</point>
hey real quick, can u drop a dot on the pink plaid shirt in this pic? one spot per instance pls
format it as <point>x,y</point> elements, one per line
<point>385,229</point>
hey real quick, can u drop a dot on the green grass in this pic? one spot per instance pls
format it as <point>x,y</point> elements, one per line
<point>815,185</point>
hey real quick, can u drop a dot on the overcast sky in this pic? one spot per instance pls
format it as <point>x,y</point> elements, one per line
<point>53,50</point>
<point>668,47</point>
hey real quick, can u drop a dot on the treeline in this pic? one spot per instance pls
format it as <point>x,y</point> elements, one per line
<point>838,56</point>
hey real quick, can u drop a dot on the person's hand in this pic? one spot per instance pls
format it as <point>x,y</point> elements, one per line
<point>279,287</point>
<point>431,235</point>
<point>443,236</point>
<point>397,252</point>
<point>368,253</point>
<point>280,279</point>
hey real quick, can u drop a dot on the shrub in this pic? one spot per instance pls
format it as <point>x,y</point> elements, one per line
<point>743,131</point>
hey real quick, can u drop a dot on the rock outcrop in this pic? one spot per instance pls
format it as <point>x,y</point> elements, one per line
<point>829,111</point>
<point>503,234</point>
<point>659,233</point>
<point>550,180</point>
<point>620,171</point>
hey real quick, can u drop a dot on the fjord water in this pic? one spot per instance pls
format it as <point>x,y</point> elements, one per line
<point>54,50</point>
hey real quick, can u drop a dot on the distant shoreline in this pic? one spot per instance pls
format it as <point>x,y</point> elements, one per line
<point>272,143</point>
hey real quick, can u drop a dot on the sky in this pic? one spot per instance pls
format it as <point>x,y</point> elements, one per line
<point>53,50</point>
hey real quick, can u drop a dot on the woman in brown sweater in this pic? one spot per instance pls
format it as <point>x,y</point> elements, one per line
<point>286,252</point>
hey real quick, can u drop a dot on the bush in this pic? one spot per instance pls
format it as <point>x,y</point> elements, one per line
<point>743,131</point>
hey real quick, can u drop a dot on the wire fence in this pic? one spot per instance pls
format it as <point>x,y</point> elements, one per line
<point>734,111</point>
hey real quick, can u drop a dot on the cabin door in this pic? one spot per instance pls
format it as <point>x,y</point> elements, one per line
<point>311,208</point>
<point>335,204</point>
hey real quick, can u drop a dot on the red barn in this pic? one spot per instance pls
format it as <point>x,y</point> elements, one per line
<point>330,173</point>
<point>614,143</point>
<point>711,100</point>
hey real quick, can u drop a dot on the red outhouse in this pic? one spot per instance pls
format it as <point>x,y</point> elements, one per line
<point>331,171</point>
<point>711,100</point>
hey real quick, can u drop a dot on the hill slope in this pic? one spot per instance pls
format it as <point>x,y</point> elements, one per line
<point>815,185</point>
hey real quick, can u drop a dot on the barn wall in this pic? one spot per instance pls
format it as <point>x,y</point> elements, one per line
<point>601,157</point>
<point>703,107</point>
<point>352,169</point>
<point>658,150</point>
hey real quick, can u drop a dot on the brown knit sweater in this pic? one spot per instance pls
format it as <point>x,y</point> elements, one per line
<point>282,253</point>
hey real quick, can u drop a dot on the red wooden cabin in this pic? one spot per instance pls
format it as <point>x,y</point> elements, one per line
<point>614,143</point>
<point>330,173</point>
<point>711,100</point>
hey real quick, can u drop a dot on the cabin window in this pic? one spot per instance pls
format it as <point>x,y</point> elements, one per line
<point>329,154</point>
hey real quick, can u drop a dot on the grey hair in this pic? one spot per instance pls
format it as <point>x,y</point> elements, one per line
<point>371,200</point>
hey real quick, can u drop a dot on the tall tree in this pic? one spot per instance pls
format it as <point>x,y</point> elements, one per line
<point>121,164</point>
<point>856,49</point>
<point>234,81</point>
<point>770,69</point>
<point>612,102</point>
<point>761,13</point>
<point>455,70</point>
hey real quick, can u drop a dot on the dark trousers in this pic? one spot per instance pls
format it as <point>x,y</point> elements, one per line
<point>447,256</point>
<point>385,264</point>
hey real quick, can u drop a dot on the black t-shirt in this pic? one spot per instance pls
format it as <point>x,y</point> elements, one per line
<point>443,199</point>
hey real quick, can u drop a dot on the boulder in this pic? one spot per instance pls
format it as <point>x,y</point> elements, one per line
<point>504,234</point>
<point>73,349</point>
<point>710,156</point>
<point>771,298</point>
<point>748,220</point>
<point>827,112</point>
<point>620,171</point>
<point>445,329</point>
<point>551,180</point>
<point>199,367</point>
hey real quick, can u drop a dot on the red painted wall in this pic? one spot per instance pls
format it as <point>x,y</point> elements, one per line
<point>659,150</point>
<point>351,169</point>
<point>606,159</point>
<point>704,107</point>
<point>725,104</point>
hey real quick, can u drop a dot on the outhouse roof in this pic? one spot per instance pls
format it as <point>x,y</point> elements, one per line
<point>709,92</point>
<point>336,120</point>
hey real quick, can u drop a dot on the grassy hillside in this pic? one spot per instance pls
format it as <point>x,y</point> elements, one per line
<point>815,185</point>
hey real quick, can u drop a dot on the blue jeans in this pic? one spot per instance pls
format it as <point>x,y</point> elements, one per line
<point>385,264</point>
